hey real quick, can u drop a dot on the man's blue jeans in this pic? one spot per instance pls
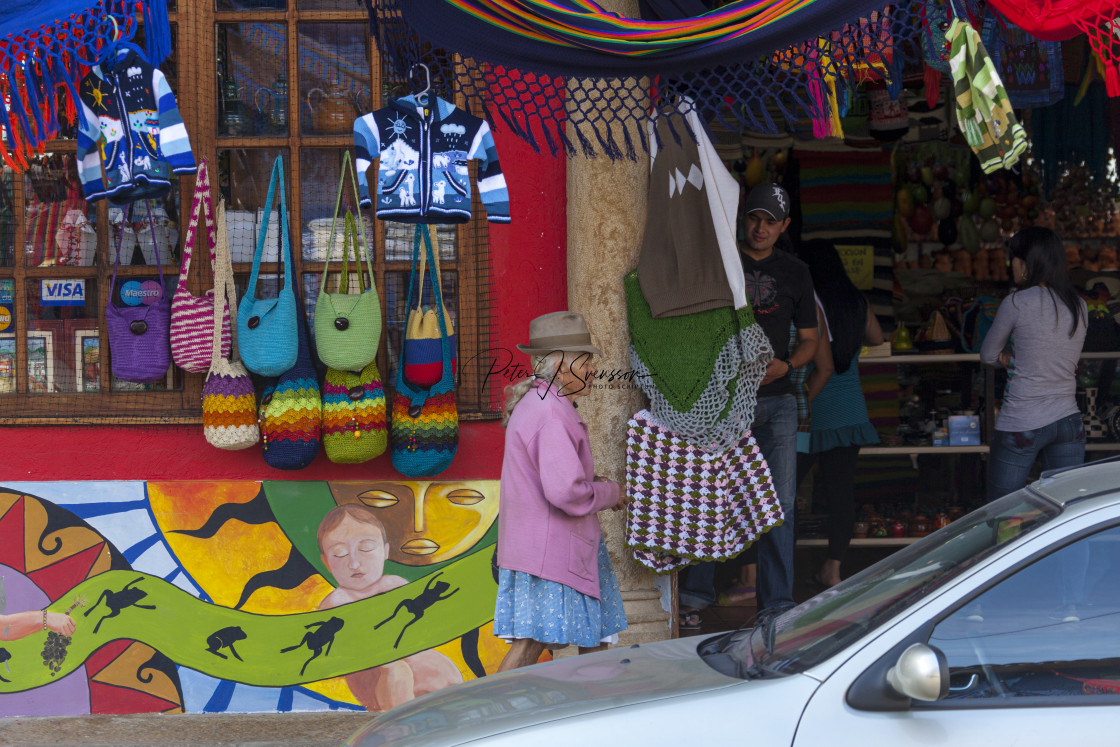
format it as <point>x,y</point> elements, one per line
<point>775,430</point>
<point>1061,444</point>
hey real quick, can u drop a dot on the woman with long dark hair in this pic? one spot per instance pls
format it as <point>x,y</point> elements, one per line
<point>1037,336</point>
<point>839,423</point>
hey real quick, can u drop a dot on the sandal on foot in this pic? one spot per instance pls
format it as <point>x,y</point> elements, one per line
<point>688,619</point>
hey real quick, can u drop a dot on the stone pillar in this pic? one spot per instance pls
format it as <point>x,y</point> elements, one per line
<point>606,217</point>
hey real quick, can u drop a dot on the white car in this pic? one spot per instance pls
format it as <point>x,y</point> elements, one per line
<point>1000,629</point>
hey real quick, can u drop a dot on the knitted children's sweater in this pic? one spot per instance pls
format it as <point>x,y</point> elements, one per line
<point>422,153</point>
<point>129,123</point>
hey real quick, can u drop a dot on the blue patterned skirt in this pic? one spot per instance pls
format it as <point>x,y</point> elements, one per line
<point>552,613</point>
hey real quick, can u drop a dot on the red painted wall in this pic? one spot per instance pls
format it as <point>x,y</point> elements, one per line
<point>530,278</point>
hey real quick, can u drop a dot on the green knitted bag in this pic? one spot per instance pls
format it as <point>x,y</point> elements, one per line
<point>354,423</point>
<point>348,325</point>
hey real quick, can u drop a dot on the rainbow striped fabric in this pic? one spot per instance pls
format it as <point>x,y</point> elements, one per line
<point>425,437</point>
<point>583,24</point>
<point>354,424</point>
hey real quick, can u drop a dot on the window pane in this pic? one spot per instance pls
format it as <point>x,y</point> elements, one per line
<point>333,76</point>
<point>319,173</point>
<point>396,299</point>
<point>399,239</point>
<point>7,336</point>
<point>135,236</point>
<point>243,176</point>
<point>7,220</point>
<point>60,225</point>
<point>1048,630</point>
<point>252,65</point>
<point>252,5</point>
<point>61,315</point>
<point>325,5</point>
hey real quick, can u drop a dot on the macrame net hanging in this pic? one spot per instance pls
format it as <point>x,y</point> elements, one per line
<point>557,104</point>
<point>1058,20</point>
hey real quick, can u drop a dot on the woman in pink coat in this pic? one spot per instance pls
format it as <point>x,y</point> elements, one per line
<point>556,585</point>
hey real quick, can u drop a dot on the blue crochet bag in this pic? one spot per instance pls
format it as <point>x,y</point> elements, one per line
<point>291,414</point>
<point>266,328</point>
<point>1030,68</point>
<point>425,426</point>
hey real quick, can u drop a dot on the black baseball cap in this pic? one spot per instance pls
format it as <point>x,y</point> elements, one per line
<point>770,199</point>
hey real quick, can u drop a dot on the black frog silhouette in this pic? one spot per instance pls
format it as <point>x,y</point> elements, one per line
<point>316,640</point>
<point>225,638</point>
<point>418,605</point>
<point>128,596</point>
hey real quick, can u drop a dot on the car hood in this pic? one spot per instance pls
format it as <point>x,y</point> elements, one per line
<point>546,692</point>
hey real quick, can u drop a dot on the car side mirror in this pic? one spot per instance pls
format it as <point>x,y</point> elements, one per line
<point>921,672</point>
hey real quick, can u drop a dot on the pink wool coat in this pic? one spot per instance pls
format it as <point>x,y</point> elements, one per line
<point>547,522</point>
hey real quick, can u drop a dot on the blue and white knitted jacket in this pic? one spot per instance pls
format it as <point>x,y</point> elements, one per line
<point>422,174</point>
<point>129,122</point>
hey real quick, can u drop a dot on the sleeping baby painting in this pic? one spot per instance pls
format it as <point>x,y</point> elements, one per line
<point>354,546</point>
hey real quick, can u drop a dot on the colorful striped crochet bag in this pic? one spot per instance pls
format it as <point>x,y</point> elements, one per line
<point>355,428</point>
<point>688,505</point>
<point>425,427</point>
<point>291,413</point>
<point>229,402</point>
<point>192,317</point>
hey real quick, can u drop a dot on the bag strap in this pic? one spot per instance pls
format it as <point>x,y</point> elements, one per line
<point>348,168</point>
<point>419,396</point>
<point>225,294</point>
<point>284,256</point>
<point>203,208</point>
<point>155,246</point>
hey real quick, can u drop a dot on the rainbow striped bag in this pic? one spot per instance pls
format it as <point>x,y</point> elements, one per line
<point>425,427</point>
<point>229,402</point>
<point>291,411</point>
<point>354,425</point>
<point>423,334</point>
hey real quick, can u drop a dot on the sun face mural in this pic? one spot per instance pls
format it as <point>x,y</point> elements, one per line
<point>248,596</point>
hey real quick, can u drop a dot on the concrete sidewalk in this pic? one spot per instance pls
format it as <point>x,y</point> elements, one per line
<point>249,730</point>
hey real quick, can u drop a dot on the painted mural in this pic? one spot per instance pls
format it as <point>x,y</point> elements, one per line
<point>243,596</point>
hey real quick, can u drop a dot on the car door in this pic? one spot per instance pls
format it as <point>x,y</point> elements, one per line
<point>1033,661</point>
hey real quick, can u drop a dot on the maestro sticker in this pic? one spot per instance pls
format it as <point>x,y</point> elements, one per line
<point>136,292</point>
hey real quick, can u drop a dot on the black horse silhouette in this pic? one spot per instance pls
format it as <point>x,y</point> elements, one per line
<point>418,605</point>
<point>316,640</point>
<point>118,600</point>
<point>225,638</point>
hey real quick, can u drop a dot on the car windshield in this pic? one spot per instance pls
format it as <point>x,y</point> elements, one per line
<point>814,631</point>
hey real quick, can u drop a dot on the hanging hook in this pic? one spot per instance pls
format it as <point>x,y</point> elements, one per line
<point>422,96</point>
<point>116,28</point>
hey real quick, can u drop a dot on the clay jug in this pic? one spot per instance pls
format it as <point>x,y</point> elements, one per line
<point>335,113</point>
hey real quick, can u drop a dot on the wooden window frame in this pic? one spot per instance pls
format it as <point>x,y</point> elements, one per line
<point>196,27</point>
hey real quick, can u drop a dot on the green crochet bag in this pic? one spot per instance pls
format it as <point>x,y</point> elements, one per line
<point>348,325</point>
<point>355,428</point>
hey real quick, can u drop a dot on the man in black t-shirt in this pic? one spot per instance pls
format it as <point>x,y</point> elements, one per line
<point>781,293</point>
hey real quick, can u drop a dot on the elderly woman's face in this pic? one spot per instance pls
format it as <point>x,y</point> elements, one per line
<point>577,370</point>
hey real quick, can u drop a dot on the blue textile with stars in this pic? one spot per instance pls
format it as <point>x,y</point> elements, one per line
<point>550,612</point>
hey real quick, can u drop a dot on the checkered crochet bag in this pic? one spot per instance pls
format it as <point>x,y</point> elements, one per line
<point>687,505</point>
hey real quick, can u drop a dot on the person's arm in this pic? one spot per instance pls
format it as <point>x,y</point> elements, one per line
<point>22,624</point>
<point>991,351</point>
<point>873,334</point>
<point>823,367</point>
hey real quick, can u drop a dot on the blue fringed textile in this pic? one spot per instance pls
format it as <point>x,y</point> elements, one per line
<point>46,45</point>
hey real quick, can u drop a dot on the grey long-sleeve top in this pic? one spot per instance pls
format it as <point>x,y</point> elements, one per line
<point>1044,357</point>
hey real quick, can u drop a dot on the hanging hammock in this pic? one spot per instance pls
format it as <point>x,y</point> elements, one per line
<point>46,46</point>
<point>570,76</point>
